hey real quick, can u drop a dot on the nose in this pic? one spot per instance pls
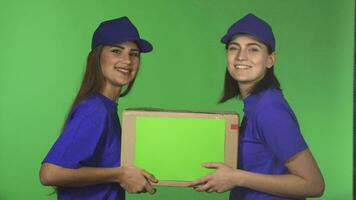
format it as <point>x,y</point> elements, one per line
<point>125,57</point>
<point>241,55</point>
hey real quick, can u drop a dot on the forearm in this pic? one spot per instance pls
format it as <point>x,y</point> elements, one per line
<point>281,185</point>
<point>53,175</point>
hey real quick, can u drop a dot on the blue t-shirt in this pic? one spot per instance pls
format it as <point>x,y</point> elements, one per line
<point>269,136</point>
<point>91,138</point>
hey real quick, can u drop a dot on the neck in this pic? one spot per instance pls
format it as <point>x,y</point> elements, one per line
<point>112,93</point>
<point>244,90</point>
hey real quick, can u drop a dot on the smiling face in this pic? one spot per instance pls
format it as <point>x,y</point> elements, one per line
<point>247,60</point>
<point>119,64</point>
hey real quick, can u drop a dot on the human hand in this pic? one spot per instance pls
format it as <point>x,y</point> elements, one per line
<point>221,180</point>
<point>136,180</point>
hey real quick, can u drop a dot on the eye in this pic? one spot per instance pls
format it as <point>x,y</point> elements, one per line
<point>253,49</point>
<point>233,48</point>
<point>135,54</point>
<point>116,51</point>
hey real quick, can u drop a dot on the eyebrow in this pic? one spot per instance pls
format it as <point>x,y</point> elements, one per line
<point>121,47</point>
<point>248,44</point>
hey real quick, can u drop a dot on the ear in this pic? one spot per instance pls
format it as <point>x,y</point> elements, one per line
<point>271,60</point>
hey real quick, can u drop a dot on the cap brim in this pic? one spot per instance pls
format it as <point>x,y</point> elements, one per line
<point>144,45</point>
<point>225,39</point>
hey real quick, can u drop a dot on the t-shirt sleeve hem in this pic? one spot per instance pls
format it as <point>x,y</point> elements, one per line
<point>291,154</point>
<point>61,163</point>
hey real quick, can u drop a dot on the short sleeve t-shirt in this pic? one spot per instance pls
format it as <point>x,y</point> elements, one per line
<point>269,136</point>
<point>91,138</point>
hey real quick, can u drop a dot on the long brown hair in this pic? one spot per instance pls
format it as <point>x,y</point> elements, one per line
<point>92,81</point>
<point>231,88</point>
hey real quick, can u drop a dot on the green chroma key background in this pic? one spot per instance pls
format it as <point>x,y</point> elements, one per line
<point>45,44</point>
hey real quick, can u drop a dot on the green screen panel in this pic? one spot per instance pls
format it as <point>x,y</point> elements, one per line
<point>175,148</point>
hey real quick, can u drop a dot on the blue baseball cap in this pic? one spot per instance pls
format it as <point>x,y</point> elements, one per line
<point>252,25</point>
<point>116,31</point>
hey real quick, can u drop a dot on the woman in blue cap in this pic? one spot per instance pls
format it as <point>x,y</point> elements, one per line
<point>274,160</point>
<point>84,162</point>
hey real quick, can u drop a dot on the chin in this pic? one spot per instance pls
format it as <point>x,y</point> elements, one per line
<point>240,79</point>
<point>123,82</point>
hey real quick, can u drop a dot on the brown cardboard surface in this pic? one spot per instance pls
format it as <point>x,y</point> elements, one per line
<point>129,137</point>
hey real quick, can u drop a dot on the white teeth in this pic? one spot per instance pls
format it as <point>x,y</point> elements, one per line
<point>123,70</point>
<point>242,67</point>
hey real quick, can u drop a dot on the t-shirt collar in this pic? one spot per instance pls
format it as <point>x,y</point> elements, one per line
<point>112,104</point>
<point>250,103</point>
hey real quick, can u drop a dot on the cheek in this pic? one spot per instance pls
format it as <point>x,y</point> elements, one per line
<point>232,71</point>
<point>261,61</point>
<point>106,62</point>
<point>104,67</point>
<point>135,64</point>
<point>105,72</point>
<point>230,62</point>
<point>260,71</point>
<point>230,59</point>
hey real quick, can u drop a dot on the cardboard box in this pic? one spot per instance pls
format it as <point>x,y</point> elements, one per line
<point>173,145</point>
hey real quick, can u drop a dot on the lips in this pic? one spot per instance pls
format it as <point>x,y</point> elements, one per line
<point>123,70</point>
<point>240,66</point>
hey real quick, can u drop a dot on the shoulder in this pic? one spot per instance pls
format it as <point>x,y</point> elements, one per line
<point>91,107</point>
<point>272,99</point>
<point>272,105</point>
